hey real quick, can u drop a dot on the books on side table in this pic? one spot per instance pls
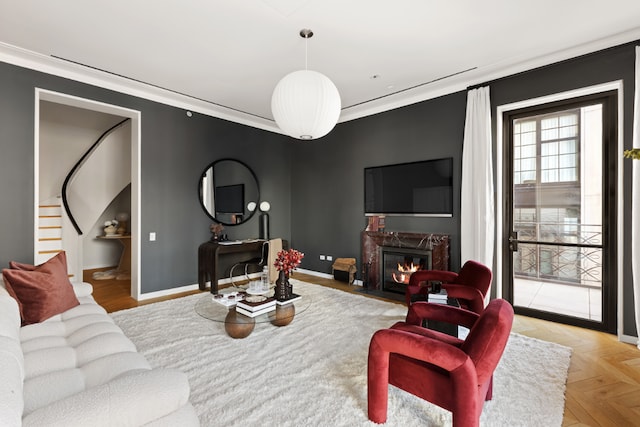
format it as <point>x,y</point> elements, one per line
<point>439,297</point>
<point>254,306</point>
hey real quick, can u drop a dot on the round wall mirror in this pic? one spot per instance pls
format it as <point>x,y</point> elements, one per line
<point>228,189</point>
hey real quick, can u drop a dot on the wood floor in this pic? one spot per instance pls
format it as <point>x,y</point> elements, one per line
<point>603,387</point>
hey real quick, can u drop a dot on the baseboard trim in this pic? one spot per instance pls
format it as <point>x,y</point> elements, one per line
<point>629,339</point>
<point>324,275</point>
<point>167,292</point>
<point>314,273</point>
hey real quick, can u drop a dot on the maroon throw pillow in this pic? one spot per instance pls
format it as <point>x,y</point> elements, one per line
<point>44,291</point>
<point>21,266</point>
<point>18,266</point>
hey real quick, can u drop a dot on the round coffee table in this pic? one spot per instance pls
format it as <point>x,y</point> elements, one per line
<point>240,326</point>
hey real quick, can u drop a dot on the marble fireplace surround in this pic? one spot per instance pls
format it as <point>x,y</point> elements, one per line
<point>374,242</point>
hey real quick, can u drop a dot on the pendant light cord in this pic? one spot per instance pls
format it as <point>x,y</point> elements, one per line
<point>306,53</point>
<point>306,35</point>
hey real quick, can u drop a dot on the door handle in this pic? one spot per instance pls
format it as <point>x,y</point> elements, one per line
<point>513,241</point>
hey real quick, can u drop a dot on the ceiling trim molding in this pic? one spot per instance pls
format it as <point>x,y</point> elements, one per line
<point>58,67</point>
<point>61,68</point>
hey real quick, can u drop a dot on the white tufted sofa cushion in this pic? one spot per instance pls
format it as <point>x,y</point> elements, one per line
<point>78,368</point>
<point>11,362</point>
<point>73,351</point>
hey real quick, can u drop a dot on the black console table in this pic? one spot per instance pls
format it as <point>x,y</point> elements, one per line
<point>215,258</point>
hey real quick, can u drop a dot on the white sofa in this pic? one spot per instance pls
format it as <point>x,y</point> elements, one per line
<point>77,368</point>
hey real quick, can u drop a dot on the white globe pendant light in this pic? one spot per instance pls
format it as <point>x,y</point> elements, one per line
<point>305,104</point>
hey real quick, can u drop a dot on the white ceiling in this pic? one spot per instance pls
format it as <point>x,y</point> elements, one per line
<point>224,57</point>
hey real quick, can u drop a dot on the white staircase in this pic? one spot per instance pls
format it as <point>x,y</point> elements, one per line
<point>49,232</point>
<point>50,228</point>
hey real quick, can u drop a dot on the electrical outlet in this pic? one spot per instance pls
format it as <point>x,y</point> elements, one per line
<point>152,236</point>
<point>322,258</point>
<point>329,258</point>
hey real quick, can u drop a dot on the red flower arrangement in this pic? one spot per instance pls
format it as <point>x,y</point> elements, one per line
<point>288,260</point>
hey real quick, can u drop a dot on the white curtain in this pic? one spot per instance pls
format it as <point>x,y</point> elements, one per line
<point>477,209</point>
<point>635,200</point>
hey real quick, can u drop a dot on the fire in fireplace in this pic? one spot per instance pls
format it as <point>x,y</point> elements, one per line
<point>398,265</point>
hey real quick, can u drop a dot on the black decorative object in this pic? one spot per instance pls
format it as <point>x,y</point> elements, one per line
<point>283,287</point>
<point>264,226</point>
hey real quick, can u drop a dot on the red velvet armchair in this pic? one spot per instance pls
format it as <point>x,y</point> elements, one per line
<point>470,286</point>
<point>446,371</point>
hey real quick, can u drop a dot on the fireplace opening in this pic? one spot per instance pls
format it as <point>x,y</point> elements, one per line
<point>398,265</point>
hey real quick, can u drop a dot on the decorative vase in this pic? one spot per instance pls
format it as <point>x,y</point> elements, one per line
<point>110,230</point>
<point>215,237</point>
<point>282,291</point>
<point>289,288</point>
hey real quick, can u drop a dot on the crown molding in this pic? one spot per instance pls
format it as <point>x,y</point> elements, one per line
<point>50,65</point>
<point>57,67</point>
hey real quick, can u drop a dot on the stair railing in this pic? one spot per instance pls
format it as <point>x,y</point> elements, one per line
<point>75,169</point>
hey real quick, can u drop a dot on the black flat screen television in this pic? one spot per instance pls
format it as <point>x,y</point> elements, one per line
<point>423,188</point>
<point>229,199</point>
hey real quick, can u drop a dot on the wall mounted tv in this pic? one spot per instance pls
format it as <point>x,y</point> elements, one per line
<point>423,188</point>
<point>230,199</point>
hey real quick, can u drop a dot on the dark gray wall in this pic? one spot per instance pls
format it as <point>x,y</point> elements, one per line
<point>328,184</point>
<point>175,151</point>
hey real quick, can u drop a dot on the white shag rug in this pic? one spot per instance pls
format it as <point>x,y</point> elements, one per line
<point>313,372</point>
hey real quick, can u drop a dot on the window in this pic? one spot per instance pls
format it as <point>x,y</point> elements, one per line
<point>525,151</point>
<point>549,144</point>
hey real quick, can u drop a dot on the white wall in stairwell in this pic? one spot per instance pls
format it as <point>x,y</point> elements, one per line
<point>102,177</point>
<point>65,134</point>
<point>105,253</point>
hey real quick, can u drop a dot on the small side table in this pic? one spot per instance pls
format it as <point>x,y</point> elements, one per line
<point>444,327</point>
<point>124,266</point>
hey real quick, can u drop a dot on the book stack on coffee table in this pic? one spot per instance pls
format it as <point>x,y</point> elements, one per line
<point>292,298</point>
<point>255,305</point>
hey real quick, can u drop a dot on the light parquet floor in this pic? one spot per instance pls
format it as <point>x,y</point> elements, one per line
<point>603,386</point>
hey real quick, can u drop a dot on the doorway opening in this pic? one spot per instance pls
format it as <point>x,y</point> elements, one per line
<point>98,111</point>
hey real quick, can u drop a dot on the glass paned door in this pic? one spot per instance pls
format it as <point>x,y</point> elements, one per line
<point>559,258</point>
